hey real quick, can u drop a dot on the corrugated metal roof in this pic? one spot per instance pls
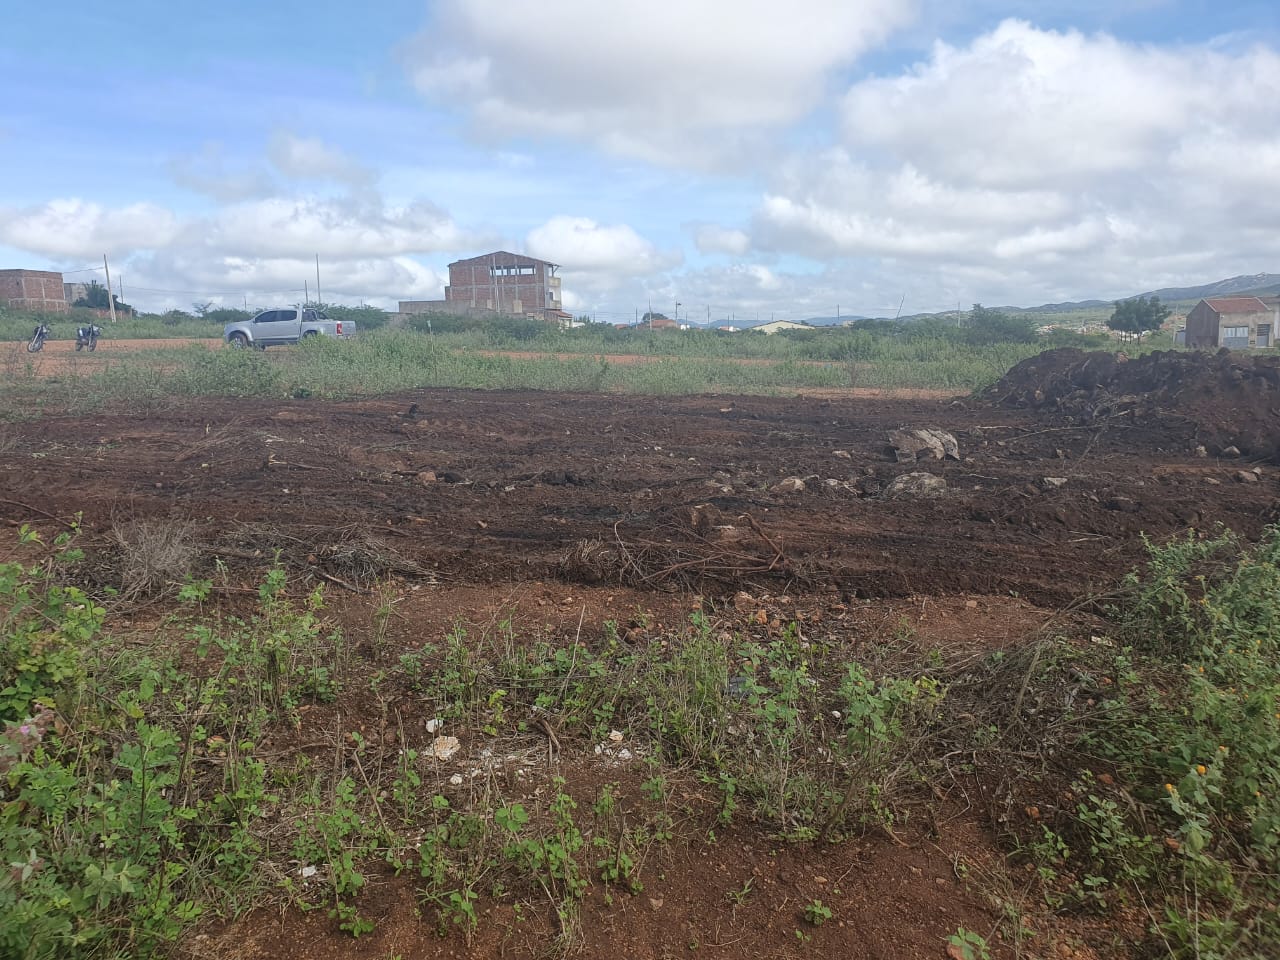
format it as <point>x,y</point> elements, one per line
<point>1237,305</point>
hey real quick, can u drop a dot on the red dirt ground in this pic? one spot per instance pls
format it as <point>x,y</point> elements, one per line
<point>559,512</point>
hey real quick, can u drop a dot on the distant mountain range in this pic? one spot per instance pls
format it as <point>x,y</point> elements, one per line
<point>1257,285</point>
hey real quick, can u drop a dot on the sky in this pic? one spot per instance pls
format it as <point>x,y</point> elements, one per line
<point>746,160</point>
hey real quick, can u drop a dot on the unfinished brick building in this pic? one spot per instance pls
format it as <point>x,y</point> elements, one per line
<point>506,283</point>
<point>37,290</point>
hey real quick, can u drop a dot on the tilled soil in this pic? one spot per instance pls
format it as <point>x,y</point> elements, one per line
<point>559,511</point>
<point>469,487</point>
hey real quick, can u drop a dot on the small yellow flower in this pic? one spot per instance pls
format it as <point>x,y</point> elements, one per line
<point>1200,769</point>
<point>1168,788</point>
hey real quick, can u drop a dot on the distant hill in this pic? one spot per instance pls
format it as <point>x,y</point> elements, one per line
<point>1257,285</point>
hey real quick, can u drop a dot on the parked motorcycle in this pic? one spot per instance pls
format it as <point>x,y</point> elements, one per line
<point>38,337</point>
<point>87,337</point>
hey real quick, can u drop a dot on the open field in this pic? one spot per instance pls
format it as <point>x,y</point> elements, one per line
<point>716,685</point>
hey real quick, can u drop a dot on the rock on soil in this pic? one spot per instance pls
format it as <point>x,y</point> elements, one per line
<point>910,445</point>
<point>915,486</point>
<point>1233,399</point>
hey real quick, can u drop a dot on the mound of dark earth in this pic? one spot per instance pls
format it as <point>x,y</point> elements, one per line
<point>1232,399</point>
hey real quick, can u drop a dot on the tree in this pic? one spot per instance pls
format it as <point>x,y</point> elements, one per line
<point>95,297</point>
<point>995,326</point>
<point>1133,318</point>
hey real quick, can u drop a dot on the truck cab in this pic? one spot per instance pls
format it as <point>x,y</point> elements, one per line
<point>285,326</point>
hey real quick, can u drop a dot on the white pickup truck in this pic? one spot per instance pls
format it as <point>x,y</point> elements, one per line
<point>273,328</point>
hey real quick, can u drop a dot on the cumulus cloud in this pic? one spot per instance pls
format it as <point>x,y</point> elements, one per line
<point>583,245</point>
<point>78,228</point>
<point>209,173</point>
<point>665,80</point>
<point>1075,163</point>
<point>366,244</point>
<point>346,227</point>
<point>1021,105</point>
<point>261,282</point>
<point>309,158</point>
<point>712,238</point>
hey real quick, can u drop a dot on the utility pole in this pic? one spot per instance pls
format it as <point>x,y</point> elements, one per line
<point>120,284</point>
<point>111,302</point>
<point>306,294</point>
<point>317,278</point>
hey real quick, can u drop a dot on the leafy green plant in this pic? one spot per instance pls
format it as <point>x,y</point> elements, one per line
<point>971,946</point>
<point>817,913</point>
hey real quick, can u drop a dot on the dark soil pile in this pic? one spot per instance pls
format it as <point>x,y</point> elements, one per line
<point>1231,399</point>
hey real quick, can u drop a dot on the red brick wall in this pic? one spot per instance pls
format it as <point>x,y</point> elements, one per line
<point>32,290</point>
<point>470,282</point>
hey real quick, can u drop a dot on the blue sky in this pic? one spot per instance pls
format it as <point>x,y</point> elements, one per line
<point>740,159</point>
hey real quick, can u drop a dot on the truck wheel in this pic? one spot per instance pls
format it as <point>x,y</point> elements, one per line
<point>238,340</point>
<point>310,335</point>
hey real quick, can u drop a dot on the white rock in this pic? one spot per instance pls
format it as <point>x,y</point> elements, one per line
<point>435,725</point>
<point>456,780</point>
<point>442,748</point>
<point>307,872</point>
<point>615,736</point>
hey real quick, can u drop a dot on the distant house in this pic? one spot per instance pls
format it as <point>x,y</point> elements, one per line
<point>38,290</point>
<point>506,283</point>
<point>498,282</point>
<point>777,326</point>
<point>1237,323</point>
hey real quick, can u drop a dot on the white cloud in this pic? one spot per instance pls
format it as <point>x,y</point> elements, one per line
<point>76,228</point>
<point>1052,163</point>
<point>208,173</point>
<point>366,246</point>
<point>345,227</point>
<point>607,251</point>
<point>664,80</point>
<point>261,282</point>
<point>309,158</point>
<point>1021,105</point>
<point>712,238</point>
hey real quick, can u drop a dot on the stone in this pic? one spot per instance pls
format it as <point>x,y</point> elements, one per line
<point>916,486</point>
<point>1232,451</point>
<point>1052,482</point>
<point>789,485</point>
<point>1200,451</point>
<point>1246,476</point>
<point>842,454</point>
<point>910,445</point>
<point>435,725</point>
<point>442,748</point>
